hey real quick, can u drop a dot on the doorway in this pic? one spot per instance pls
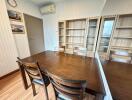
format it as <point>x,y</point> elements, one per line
<point>34,27</point>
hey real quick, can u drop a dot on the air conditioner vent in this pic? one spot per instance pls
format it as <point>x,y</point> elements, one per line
<point>48,9</point>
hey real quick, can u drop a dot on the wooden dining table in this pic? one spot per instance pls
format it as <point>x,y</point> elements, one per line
<point>67,66</point>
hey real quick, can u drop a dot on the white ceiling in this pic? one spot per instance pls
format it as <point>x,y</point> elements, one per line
<point>44,2</point>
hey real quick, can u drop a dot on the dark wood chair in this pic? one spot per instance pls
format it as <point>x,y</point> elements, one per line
<point>68,89</point>
<point>120,56</point>
<point>36,76</point>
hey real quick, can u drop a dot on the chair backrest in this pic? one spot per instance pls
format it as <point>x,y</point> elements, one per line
<point>32,69</point>
<point>120,56</point>
<point>73,89</point>
<point>80,51</point>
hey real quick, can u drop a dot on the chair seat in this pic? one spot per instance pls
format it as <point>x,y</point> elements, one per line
<point>40,81</point>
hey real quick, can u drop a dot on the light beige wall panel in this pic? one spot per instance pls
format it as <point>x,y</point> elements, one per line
<point>117,7</point>
<point>8,52</point>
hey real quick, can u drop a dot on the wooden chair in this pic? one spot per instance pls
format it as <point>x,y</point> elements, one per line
<point>80,51</point>
<point>120,56</point>
<point>68,89</point>
<point>36,76</point>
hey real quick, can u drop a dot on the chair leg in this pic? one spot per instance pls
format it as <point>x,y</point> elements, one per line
<point>33,87</point>
<point>46,92</point>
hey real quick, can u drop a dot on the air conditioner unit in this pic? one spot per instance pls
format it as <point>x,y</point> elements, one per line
<point>48,9</point>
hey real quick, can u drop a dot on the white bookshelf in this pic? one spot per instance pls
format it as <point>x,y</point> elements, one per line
<point>105,36</point>
<point>92,33</point>
<point>61,26</point>
<point>122,37</point>
<point>80,33</point>
<point>75,32</point>
<point>114,33</point>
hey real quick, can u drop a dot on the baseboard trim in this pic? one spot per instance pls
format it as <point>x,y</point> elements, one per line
<point>4,76</point>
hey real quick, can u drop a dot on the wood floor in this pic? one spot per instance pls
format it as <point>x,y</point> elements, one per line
<point>11,88</point>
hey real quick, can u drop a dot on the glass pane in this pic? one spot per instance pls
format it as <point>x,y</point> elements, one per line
<point>108,27</point>
<point>106,34</point>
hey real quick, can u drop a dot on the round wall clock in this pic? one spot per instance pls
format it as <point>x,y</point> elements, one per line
<point>12,3</point>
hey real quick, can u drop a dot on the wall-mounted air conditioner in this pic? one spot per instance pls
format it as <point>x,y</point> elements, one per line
<point>48,9</point>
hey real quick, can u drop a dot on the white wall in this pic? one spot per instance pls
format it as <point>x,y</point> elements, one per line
<point>117,7</point>
<point>8,52</point>
<point>21,40</point>
<point>9,43</point>
<point>68,9</point>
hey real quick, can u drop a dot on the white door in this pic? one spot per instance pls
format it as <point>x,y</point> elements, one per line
<point>35,34</point>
